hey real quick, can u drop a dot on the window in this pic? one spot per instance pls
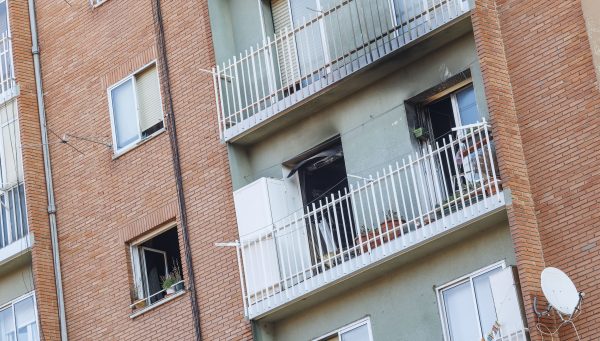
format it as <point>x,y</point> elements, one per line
<point>467,306</point>
<point>6,69</point>
<point>459,108</point>
<point>13,215</point>
<point>136,108</point>
<point>321,174</point>
<point>357,331</point>
<point>18,320</point>
<point>156,264</point>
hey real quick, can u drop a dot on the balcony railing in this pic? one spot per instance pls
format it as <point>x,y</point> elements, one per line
<point>442,187</point>
<point>13,216</point>
<point>300,61</point>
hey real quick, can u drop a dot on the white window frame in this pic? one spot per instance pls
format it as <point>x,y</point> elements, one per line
<point>11,92</point>
<point>456,109</point>
<point>138,265</point>
<point>145,270</point>
<point>464,279</point>
<point>365,321</point>
<point>139,139</point>
<point>11,305</point>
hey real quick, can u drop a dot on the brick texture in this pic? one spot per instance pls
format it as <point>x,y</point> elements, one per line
<point>104,201</point>
<point>544,103</point>
<point>35,185</point>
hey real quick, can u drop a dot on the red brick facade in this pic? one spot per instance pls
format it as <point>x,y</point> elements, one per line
<point>103,202</point>
<point>33,166</point>
<point>544,103</point>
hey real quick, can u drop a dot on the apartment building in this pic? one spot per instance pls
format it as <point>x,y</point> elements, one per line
<point>141,184</point>
<point>405,169</point>
<point>28,295</point>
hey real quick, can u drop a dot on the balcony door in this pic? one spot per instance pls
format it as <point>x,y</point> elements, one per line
<point>444,116</point>
<point>304,50</point>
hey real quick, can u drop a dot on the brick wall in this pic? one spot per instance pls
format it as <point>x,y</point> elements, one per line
<point>103,202</point>
<point>35,185</point>
<point>544,103</point>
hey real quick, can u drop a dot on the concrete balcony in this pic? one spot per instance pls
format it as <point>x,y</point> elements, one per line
<point>298,64</point>
<point>408,205</point>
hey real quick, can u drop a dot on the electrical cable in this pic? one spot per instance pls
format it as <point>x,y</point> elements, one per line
<point>172,130</point>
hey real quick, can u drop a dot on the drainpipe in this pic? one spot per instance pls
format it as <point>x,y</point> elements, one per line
<point>47,171</point>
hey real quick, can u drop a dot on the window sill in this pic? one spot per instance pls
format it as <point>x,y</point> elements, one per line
<point>157,304</point>
<point>137,144</point>
<point>98,4</point>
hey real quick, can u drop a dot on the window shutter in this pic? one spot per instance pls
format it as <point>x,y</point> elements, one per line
<point>148,96</point>
<point>286,50</point>
<point>506,301</point>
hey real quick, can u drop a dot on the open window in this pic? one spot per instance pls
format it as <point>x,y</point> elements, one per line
<point>455,108</point>
<point>156,264</point>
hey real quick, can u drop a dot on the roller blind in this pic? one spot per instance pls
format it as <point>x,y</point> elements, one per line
<point>286,50</point>
<point>148,97</point>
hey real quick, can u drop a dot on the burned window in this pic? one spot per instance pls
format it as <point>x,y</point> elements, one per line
<point>322,177</point>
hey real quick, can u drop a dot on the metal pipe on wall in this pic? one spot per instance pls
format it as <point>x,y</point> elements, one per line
<point>35,50</point>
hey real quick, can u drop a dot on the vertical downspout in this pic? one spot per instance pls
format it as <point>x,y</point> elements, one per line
<point>183,222</point>
<point>47,171</point>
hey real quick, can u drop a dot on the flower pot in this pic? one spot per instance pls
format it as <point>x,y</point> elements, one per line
<point>370,240</point>
<point>140,304</point>
<point>170,290</point>
<point>390,229</point>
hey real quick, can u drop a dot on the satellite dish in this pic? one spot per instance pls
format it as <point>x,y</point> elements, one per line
<point>560,291</point>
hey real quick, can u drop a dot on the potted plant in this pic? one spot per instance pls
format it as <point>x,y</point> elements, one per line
<point>421,134</point>
<point>138,302</point>
<point>168,283</point>
<point>366,238</point>
<point>177,274</point>
<point>390,228</point>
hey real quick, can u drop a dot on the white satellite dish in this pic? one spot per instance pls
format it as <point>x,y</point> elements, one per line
<point>560,291</point>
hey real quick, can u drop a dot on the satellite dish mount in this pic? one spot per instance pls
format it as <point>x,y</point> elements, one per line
<point>564,302</point>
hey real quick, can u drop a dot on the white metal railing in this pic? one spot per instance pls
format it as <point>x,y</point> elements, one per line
<point>443,186</point>
<point>300,61</point>
<point>13,215</point>
<point>7,79</point>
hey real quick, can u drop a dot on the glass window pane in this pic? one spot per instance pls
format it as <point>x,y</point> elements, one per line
<point>155,269</point>
<point>485,301</point>
<point>467,106</point>
<point>26,320</point>
<point>7,325</point>
<point>3,19</point>
<point>460,313</point>
<point>124,114</point>
<point>360,333</point>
